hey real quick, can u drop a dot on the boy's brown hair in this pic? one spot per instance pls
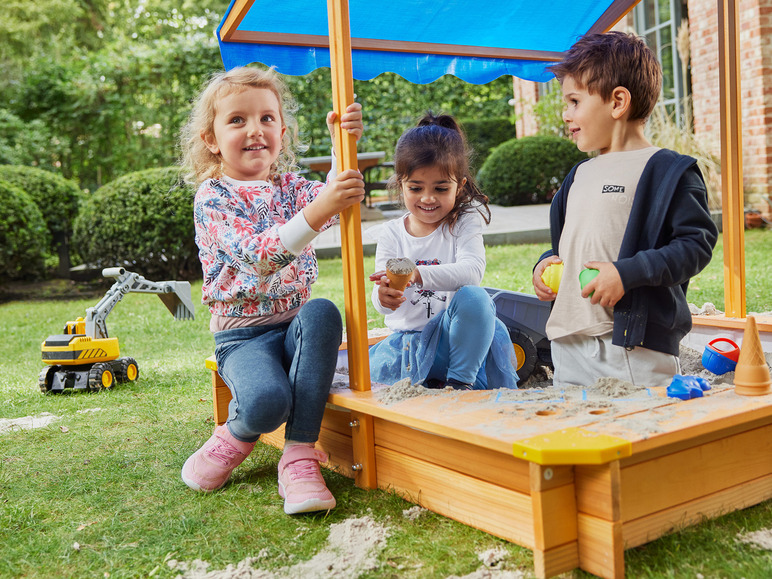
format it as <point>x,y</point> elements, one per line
<point>602,62</point>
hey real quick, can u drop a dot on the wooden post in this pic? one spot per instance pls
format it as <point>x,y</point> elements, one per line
<point>733,202</point>
<point>350,220</point>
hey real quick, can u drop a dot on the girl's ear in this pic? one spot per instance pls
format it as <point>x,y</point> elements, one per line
<point>621,101</point>
<point>210,142</point>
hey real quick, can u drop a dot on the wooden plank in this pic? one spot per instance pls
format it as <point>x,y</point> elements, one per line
<point>338,449</point>
<point>598,491</point>
<point>733,201</point>
<point>645,529</point>
<point>501,512</point>
<point>355,298</point>
<point>613,14</point>
<point>235,16</point>
<point>275,438</point>
<point>763,323</point>
<point>601,551</point>
<point>337,420</point>
<point>495,467</point>
<point>684,476</point>
<point>221,397</point>
<point>363,443</point>
<point>552,562</point>
<point>554,508</point>
<point>382,45</point>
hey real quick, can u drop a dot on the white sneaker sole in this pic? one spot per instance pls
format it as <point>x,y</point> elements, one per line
<point>307,506</point>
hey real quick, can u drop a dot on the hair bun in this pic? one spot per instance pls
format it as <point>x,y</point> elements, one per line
<point>441,120</point>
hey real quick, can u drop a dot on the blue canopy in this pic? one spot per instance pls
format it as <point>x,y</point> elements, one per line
<point>420,41</point>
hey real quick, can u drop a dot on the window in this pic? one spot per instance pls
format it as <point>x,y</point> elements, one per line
<point>658,22</point>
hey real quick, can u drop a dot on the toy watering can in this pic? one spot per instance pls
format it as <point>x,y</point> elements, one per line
<point>720,360</point>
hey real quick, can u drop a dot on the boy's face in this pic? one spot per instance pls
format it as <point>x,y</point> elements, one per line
<point>589,119</point>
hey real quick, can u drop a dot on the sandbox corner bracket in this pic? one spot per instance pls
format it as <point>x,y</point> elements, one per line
<point>572,446</point>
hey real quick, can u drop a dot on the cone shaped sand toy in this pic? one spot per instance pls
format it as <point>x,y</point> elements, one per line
<point>399,271</point>
<point>751,377</point>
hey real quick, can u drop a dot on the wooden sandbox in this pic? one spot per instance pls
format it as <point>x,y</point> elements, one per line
<point>576,481</point>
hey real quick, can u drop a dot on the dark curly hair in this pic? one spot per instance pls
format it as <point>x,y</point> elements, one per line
<point>439,141</point>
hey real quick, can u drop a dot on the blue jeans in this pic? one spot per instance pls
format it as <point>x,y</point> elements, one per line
<point>281,373</point>
<point>466,333</point>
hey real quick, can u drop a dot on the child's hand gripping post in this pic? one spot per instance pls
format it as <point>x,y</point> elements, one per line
<point>348,187</point>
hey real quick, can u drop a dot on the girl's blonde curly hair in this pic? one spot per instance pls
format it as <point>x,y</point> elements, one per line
<point>198,162</point>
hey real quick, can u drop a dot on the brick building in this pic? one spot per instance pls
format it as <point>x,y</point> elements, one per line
<point>659,22</point>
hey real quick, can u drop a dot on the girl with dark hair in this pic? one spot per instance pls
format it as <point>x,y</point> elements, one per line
<point>444,326</point>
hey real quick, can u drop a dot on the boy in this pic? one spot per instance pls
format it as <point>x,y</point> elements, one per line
<point>636,213</point>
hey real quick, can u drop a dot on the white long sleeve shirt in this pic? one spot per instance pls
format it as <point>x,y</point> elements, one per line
<point>446,261</point>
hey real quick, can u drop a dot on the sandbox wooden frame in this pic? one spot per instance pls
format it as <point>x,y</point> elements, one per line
<point>576,491</point>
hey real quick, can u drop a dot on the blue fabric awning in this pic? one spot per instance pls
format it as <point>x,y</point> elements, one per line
<point>418,40</point>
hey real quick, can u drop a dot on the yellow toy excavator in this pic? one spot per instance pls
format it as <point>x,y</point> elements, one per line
<point>84,357</point>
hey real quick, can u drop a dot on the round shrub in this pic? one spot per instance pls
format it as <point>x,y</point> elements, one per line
<point>527,170</point>
<point>24,238</point>
<point>142,221</point>
<point>56,197</point>
<point>485,134</point>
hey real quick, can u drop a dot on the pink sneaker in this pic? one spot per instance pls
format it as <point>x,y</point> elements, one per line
<point>300,482</point>
<point>210,466</point>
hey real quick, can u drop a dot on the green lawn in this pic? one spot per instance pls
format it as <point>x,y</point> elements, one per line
<point>96,493</point>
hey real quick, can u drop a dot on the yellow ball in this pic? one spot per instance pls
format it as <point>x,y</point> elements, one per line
<point>551,276</point>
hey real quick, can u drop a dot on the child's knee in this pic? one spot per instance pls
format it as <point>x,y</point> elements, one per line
<point>474,299</point>
<point>320,319</point>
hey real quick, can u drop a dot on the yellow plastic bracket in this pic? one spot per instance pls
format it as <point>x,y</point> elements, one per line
<point>572,446</point>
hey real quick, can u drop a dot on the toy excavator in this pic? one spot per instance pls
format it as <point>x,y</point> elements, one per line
<point>84,357</point>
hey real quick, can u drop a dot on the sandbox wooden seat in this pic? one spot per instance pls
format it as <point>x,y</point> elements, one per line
<point>574,483</point>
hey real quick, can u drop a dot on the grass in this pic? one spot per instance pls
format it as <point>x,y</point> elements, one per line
<point>105,475</point>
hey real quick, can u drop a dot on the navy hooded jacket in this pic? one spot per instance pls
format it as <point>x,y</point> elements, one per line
<point>669,239</point>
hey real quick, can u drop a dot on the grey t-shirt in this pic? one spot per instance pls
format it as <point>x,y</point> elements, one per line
<point>597,212</point>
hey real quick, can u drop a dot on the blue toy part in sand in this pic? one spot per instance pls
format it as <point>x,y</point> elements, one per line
<point>720,361</point>
<point>686,387</point>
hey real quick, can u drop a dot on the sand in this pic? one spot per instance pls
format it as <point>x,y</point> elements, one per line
<point>27,422</point>
<point>759,539</point>
<point>351,550</point>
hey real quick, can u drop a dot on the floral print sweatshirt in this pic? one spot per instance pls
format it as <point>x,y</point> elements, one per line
<point>247,270</point>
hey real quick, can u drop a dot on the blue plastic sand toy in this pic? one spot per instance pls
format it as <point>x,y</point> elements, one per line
<point>686,387</point>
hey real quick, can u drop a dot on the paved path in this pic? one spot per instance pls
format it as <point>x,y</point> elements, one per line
<point>509,225</point>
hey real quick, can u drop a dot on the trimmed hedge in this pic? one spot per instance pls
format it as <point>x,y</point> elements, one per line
<point>24,237</point>
<point>142,221</point>
<point>527,170</point>
<point>56,197</point>
<point>483,135</point>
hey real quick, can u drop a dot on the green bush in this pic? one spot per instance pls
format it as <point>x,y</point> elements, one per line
<point>527,170</point>
<point>24,238</point>
<point>142,221</point>
<point>484,135</point>
<point>56,197</point>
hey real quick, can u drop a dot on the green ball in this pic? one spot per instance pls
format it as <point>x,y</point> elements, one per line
<point>586,276</point>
